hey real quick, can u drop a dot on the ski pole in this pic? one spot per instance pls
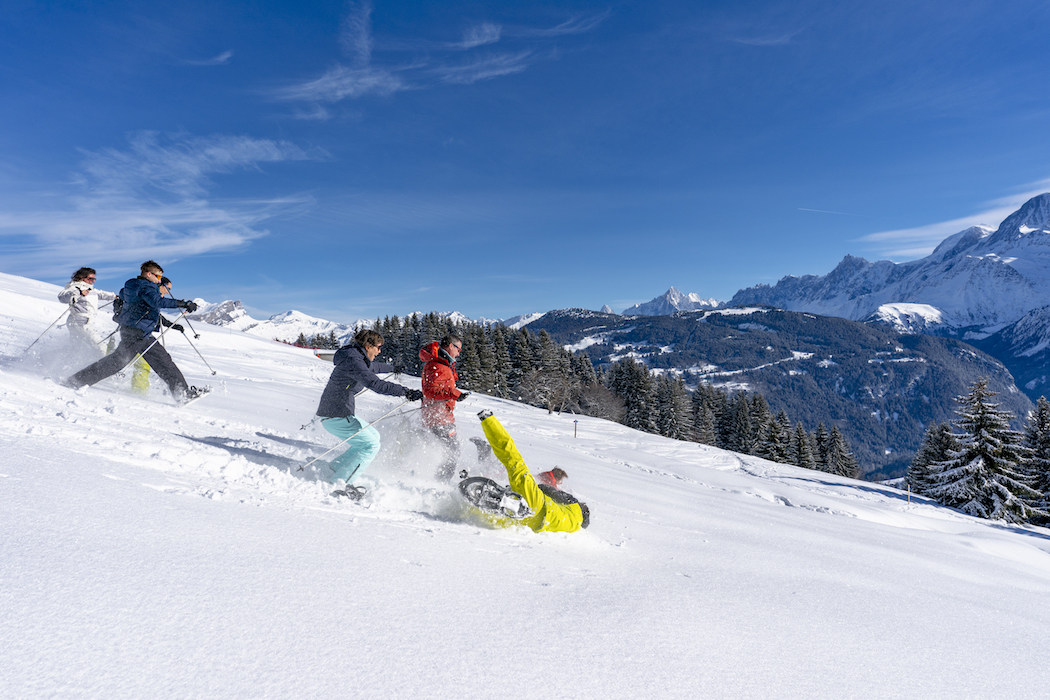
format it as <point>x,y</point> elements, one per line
<point>385,415</point>
<point>197,351</point>
<point>26,351</point>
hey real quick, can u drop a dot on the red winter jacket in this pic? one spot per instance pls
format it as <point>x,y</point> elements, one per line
<point>439,386</point>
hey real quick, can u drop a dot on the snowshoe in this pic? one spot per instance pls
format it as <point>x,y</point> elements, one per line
<point>193,393</point>
<point>485,494</point>
<point>354,493</point>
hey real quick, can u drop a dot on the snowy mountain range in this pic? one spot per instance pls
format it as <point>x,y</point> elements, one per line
<point>287,326</point>
<point>976,281</point>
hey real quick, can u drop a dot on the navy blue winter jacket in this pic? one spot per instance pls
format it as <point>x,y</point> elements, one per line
<point>352,372</point>
<point>142,305</point>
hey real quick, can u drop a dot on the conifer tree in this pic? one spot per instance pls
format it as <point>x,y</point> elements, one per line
<point>739,439</point>
<point>802,448</point>
<point>501,361</point>
<point>704,425</point>
<point>983,477</point>
<point>820,447</point>
<point>839,458</point>
<point>937,446</point>
<point>1037,462</point>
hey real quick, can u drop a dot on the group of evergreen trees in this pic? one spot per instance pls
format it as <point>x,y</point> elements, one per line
<point>983,467</point>
<point>532,368</point>
<point>747,425</point>
<point>319,341</point>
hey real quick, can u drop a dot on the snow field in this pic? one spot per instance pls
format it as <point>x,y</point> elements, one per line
<point>151,550</point>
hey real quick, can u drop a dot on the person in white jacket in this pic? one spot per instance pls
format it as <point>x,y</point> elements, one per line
<point>83,299</point>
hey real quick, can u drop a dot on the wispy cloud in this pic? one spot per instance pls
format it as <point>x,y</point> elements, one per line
<point>575,25</point>
<point>219,60</point>
<point>779,39</point>
<point>150,200</point>
<point>911,243</point>
<point>824,211</point>
<point>483,68</point>
<point>479,35</point>
<point>362,75</point>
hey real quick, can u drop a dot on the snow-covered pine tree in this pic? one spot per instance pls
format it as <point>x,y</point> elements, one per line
<point>983,477</point>
<point>741,430</point>
<point>839,458</point>
<point>938,444</point>
<point>774,441</point>
<point>486,379</point>
<point>501,361</point>
<point>468,365</point>
<point>704,425</point>
<point>820,447</point>
<point>1037,461</point>
<point>759,413</point>
<point>640,398</point>
<point>802,448</point>
<point>674,412</point>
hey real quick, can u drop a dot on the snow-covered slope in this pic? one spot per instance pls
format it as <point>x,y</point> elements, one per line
<point>162,552</point>
<point>977,277</point>
<point>908,318</point>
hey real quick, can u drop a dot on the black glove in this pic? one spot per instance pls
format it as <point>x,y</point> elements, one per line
<point>484,414</point>
<point>190,306</point>
<point>413,394</point>
<point>462,396</point>
<point>178,327</point>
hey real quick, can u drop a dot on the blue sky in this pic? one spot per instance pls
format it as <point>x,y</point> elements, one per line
<point>353,160</point>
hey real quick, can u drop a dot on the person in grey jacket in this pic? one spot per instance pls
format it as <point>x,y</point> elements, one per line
<point>83,298</point>
<point>355,369</point>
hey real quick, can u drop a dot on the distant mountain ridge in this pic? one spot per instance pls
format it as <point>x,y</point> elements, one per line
<point>288,325</point>
<point>667,304</point>
<point>977,279</point>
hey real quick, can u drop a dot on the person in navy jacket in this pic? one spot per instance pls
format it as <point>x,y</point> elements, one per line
<point>355,369</point>
<point>139,317</point>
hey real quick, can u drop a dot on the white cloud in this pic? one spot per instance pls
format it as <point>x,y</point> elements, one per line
<point>219,60</point>
<point>483,68</point>
<point>480,35</point>
<point>917,242</point>
<point>576,25</point>
<point>150,200</point>
<point>343,82</point>
<point>362,76</point>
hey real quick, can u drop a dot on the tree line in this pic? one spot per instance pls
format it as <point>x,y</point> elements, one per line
<point>981,466</point>
<point>532,368</point>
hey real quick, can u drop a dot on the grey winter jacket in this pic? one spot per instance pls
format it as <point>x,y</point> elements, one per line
<point>352,372</point>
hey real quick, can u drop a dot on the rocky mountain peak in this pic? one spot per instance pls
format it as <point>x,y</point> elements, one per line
<point>1033,216</point>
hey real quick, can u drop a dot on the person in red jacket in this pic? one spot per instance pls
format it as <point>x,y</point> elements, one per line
<point>440,396</point>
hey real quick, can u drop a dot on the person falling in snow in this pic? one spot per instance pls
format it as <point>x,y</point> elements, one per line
<point>552,510</point>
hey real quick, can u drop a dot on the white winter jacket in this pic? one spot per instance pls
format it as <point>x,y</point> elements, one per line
<point>85,306</point>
